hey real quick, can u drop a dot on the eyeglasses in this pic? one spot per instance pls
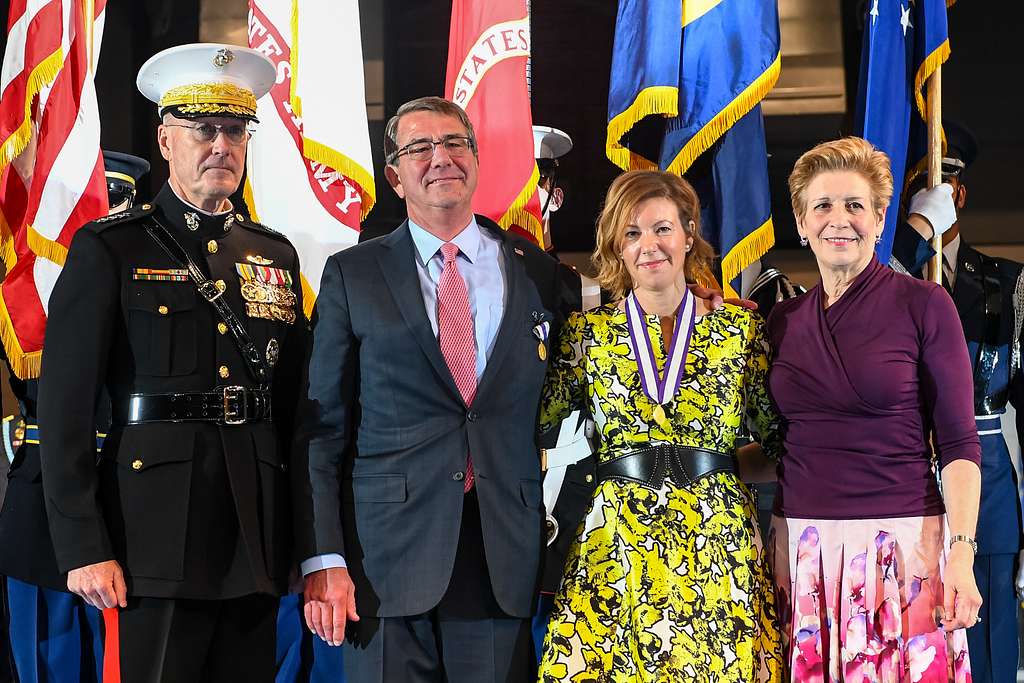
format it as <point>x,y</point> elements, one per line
<point>207,132</point>
<point>422,150</point>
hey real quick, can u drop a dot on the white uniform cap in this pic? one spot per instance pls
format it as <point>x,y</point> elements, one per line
<point>550,143</point>
<point>207,79</point>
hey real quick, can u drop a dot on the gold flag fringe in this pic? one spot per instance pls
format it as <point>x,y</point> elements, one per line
<point>250,200</point>
<point>24,365</point>
<point>46,248</point>
<point>308,297</point>
<point>723,120</point>
<point>346,166</point>
<point>293,61</point>
<point>659,99</point>
<point>7,252</point>
<point>927,68</point>
<point>517,214</point>
<point>44,74</point>
<point>746,251</point>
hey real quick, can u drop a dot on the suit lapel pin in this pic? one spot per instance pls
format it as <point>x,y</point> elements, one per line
<point>541,332</point>
<point>518,251</point>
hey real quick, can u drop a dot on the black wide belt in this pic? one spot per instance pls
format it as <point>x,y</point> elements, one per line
<point>650,466</point>
<point>227,406</point>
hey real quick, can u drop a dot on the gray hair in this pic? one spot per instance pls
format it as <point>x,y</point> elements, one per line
<point>438,105</point>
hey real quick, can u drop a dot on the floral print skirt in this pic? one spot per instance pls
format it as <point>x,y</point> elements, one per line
<point>663,587</point>
<point>858,600</point>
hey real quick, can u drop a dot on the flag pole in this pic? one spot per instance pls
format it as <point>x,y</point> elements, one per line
<point>935,158</point>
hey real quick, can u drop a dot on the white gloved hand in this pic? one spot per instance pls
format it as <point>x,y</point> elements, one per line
<point>936,206</point>
<point>1019,581</point>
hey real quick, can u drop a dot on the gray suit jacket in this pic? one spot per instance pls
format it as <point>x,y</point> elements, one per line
<point>382,449</point>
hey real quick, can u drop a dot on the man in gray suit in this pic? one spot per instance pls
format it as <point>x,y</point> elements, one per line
<point>419,479</point>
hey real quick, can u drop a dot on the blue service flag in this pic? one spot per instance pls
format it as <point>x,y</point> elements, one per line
<point>739,198</point>
<point>684,75</point>
<point>904,42</point>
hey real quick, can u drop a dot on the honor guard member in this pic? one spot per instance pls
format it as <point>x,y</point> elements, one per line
<point>548,145</point>
<point>988,293</point>
<point>54,634</point>
<point>191,317</point>
<point>566,455</point>
<point>767,286</point>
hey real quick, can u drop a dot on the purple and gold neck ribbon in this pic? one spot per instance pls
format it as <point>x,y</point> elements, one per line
<point>661,389</point>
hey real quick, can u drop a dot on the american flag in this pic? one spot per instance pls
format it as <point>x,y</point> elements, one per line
<point>51,166</point>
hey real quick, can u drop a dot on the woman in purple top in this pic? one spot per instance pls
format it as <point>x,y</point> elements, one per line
<point>872,563</point>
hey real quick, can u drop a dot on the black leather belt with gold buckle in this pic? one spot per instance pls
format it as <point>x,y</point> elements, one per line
<point>649,467</point>
<point>232,405</point>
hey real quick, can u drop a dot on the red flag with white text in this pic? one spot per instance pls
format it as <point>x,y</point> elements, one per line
<point>488,48</point>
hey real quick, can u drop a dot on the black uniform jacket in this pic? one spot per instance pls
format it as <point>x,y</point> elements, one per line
<point>190,509</point>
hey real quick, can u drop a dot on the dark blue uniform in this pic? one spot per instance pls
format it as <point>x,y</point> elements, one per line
<point>54,635</point>
<point>988,295</point>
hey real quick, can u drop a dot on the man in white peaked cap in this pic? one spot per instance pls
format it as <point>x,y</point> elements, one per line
<point>190,315</point>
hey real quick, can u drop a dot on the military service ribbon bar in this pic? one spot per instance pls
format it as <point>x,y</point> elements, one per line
<point>160,274</point>
<point>270,276</point>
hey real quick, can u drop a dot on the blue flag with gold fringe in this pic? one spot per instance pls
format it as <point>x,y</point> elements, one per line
<point>687,79</point>
<point>904,42</point>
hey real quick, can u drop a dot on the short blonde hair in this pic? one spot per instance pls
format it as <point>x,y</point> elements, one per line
<point>624,197</point>
<point>846,154</point>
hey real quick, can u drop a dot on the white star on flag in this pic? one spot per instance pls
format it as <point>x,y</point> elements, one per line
<point>874,13</point>
<point>905,19</point>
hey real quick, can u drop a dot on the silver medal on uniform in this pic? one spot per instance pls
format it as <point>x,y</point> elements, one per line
<point>273,351</point>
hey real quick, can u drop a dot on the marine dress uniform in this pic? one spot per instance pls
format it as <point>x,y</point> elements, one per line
<point>193,323</point>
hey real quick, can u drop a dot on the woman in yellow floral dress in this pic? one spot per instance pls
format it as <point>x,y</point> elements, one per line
<point>666,579</point>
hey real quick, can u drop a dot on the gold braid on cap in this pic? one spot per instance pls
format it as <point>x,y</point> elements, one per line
<point>210,98</point>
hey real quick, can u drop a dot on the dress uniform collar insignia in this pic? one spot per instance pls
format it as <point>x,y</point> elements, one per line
<point>191,221</point>
<point>258,260</point>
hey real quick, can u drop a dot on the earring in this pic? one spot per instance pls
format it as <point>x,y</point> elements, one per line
<point>803,241</point>
<point>689,247</point>
<point>878,239</point>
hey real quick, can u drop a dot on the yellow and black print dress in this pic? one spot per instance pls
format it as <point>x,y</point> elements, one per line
<point>667,585</point>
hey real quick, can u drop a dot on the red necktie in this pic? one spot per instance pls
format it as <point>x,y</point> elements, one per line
<point>455,328</point>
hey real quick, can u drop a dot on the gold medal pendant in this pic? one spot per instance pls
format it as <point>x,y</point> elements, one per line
<point>542,351</point>
<point>659,415</point>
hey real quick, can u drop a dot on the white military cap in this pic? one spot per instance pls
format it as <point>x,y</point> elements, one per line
<point>207,79</point>
<point>550,143</point>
